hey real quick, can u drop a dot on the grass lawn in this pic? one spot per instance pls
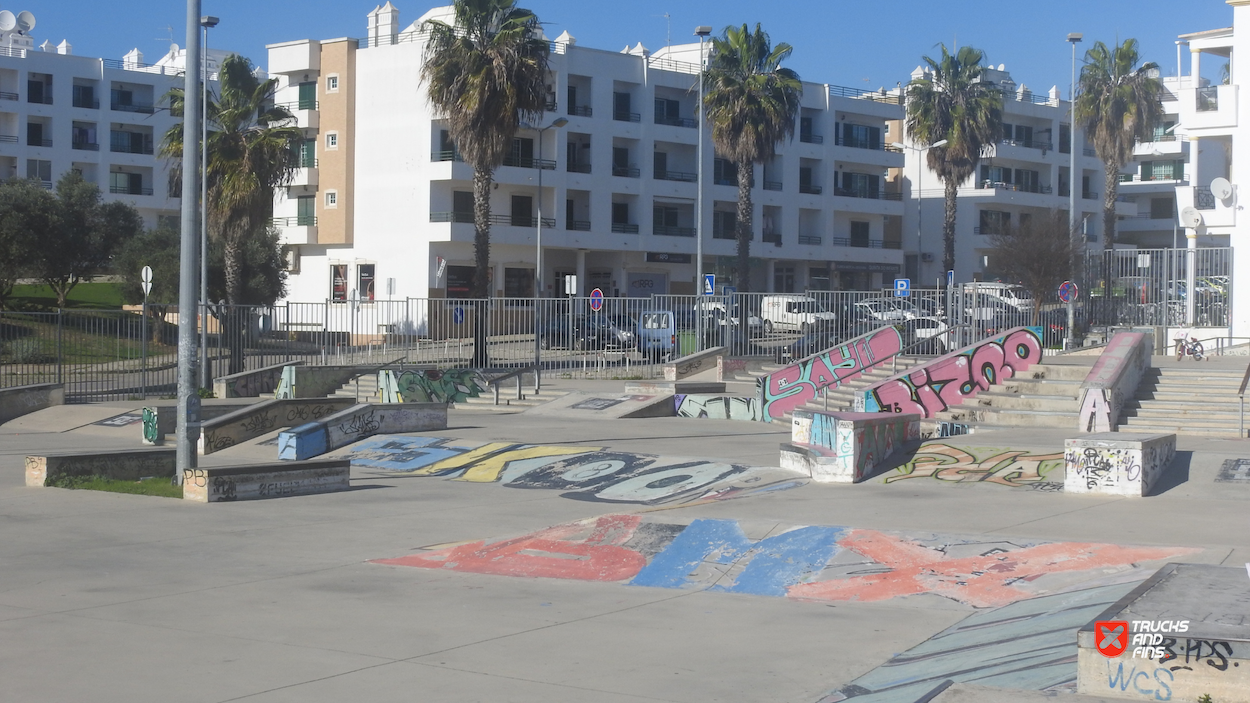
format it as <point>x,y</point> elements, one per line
<point>161,487</point>
<point>99,296</point>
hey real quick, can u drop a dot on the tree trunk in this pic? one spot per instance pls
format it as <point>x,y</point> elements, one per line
<point>235,318</point>
<point>948,228</point>
<point>482,179</point>
<point>1111,188</point>
<point>745,227</point>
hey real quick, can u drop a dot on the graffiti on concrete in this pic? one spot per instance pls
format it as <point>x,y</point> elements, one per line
<point>254,384</point>
<point>855,443</point>
<point>949,380</point>
<point>123,420</point>
<point>1121,466</point>
<point>1030,645</point>
<point>580,472</point>
<point>151,427</point>
<point>435,386</point>
<point>1005,467</point>
<point>1234,471</point>
<point>795,385</point>
<point>1095,413</point>
<point>717,407</point>
<point>817,563</point>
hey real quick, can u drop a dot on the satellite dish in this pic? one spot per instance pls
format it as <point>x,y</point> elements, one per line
<point>1221,188</point>
<point>7,21</point>
<point>1191,218</point>
<point>25,21</point>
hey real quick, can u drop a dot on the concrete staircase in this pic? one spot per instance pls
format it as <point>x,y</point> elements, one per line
<point>1046,395</point>
<point>1194,399</point>
<point>841,398</point>
<point>363,388</point>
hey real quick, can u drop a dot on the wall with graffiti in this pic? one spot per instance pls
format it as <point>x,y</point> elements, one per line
<point>1127,467</point>
<point>949,380</point>
<point>578,472</point>
<point>1112,380</point>
<point>845,447</point>
<point>793,386</point>
<point>718,407</point>
<point>431,385</point>
<point>1015,468</point>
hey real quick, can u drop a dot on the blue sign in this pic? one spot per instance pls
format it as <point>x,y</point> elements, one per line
<point>596,300</point>
<point>728,290</point>
<point>1067,291</point>
<point>950,278</point>
<point>902,287</point>
<point>457,316</point>
<point>709,284</point>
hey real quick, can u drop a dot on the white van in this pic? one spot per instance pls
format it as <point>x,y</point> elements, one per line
<point>1014,295</point>
<point>793,312</point>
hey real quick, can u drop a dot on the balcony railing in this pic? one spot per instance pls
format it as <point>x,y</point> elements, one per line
<point>721,233</point>
<point>627,116</point>
<point>675,121</point>
<point>578,225</point>
<point>299,105</point>
<point>869,194</point>
<point>812,239</point>
<point>809,138</point>
<point>1156,176</point>
<point>86,146</point>
<point>578,168</point>
<point>528,162</point>
<point>445,156</point>
<point>865,243</point>
<point>1204,199</point>
<point>38,142</point>
<point>672,231</point>
<point>810,189</point>
<point>1089,195</point>
<point>8,138</point>
<point>722,181</point>
<point>1028,144</point>
<point>581,111</point>
<point>840,140</point>
<point>887,244</point>
<point>129,190</point>
<point>880,96</point>
<point>123,145</point>
<point>625,172</point>
<point>624,228</point>
<point>5,95</point>
<point>461,217</point>
<point>297,221</point>
<point>495,219</point>
<point>88,104</point>
<point>772,185</point>
<point>772,237</point>
<point>45,99</point>
<point>144,109</point>
<point>1019,188</point>
<point>683,176</point>
<point>989,230</point>
<point>1089,152</point>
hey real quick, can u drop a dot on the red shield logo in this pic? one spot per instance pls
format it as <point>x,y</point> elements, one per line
<point>1111,637</point>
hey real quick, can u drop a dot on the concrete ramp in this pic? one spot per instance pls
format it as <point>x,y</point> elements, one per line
<point>607,405</point>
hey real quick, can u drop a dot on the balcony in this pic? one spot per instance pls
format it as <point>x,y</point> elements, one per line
<point>989,230</point>
<point>865,144</point>
<point>809,138</point>
<point>130,143</point>
<point>304,176</point>
<point>84,103</point>
<point>578,225</point>
<point>297,221</point>
<point>132,107</point>
<point>299,105</point>
<point>38,142</point>
<point>1089,195</point>
<point>625,172</point>
<point>865,243</point>
<point>529,162</point>
<point>1160,175</point>
<point>771,237</point>
<point>1014,187</point>
<point>85,145</point>
<point>810,239</point>
<point>495,219</point>
<point>8,138</point>
<point>581,111</point>
<point>1208,107</point>
<point>1027,144</point>
<point>436,156</point>
<point>301,229</point>
<point>578,168</point>
<point>45,99</point>
<point>129,190</point>
<point>683,176</point>
<point>865,193</point>
<point>772,185</point>
<point>810,189</point>
<point>627,116</point>
<point>4,95</point>
<point>624,228</point>
<point>671,231</point>
<point>688,122</point>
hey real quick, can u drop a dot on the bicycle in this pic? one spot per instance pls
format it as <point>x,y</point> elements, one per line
<point>1191,348</point>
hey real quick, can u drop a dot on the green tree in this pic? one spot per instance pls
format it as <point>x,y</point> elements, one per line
<point>951,101</point>
<point>1118,105</point>
<point>751,103</point>
<point>486,74</point>
<point>83,235</point>
<point>252,147</point>
<point>28,212</point>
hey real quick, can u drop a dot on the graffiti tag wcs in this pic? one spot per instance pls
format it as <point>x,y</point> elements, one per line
<point>949,380</point>
<point>792,387</point>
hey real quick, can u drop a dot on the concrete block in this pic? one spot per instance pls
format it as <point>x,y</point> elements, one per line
<point>1112,381</point>
<point>255,420</point>
<point>356,423</point>
<point>129,465</point>
<point>257,481</point>
<point>672,387</point>
<point>842,447</point>
<point>692,364</point>
<point>21,400</point>
<point>251,384</point>
<point>727,369</point>
<point>1116,463</point>
<point>1209,656</point>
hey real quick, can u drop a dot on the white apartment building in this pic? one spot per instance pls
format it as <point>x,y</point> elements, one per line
<point>100,117</point>
<point>382,199</point>
<point>1025,174</point>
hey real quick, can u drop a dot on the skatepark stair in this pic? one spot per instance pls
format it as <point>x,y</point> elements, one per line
<point>1046,395</point>
<point>1198,398</point>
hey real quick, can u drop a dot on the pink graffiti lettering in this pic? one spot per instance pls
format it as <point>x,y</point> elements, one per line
<point>798,383</point>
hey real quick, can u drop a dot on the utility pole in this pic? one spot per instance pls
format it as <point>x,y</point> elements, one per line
<point>188,275</point>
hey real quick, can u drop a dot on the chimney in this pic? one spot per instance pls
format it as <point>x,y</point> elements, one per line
<point>387,23</point>
<point>132,60</point>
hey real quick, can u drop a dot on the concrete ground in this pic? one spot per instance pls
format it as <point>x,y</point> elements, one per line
<point>107,597</point>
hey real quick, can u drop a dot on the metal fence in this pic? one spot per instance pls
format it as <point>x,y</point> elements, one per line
<point>1150,287</point>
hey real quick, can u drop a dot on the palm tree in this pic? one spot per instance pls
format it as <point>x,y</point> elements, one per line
<point>1118,105</point>
<point>252,147</point>
<point>752,104</point>
<point>486,73</point>
<point>951,102</point>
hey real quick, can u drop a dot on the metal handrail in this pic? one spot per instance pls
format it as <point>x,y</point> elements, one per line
<point>518,375</point>
<point>926,340</point>
<point>1241,402</point>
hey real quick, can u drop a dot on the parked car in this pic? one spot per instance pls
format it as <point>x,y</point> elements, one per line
<point>889,308</point>
<point>792,312</point>
<point>584,333</point>
<point>1011,294</point>
<point>657,334</point>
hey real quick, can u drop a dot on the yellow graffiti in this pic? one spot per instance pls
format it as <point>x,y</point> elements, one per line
<point>488,470</point>
<point>1006,467</point>
<point>460,461</point>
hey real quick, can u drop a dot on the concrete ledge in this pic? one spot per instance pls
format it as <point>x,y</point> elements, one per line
<point>128,465</point>
<point>671,387</point>
<point>1116,463</point>
<point>1113,379</point>
<point>257,481</point>
<point>253,421</point>
<point>845,447</point>
<point>251,384</point>
<point>356,423</point>
<point>21,400</point>
<point>692,364</point>
<point>718,407</point>
<point>727,369</point>
<point>210,409</point>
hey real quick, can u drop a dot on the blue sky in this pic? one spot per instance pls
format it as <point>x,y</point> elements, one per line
<point>858,44</point>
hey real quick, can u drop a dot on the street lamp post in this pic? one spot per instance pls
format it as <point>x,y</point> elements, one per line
<point>538,239</point>
<point>188,428</point>
<point>1074,39</point>
<point>920,167</point>
<point>207,22</point>
<point>702,31</point>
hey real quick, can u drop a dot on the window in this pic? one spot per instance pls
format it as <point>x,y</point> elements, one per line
<point>332,84</point>
<point>84,96</point>
<point>859,234</point>
<point>860,185</point>
<point>39,168</point>
<point>664,219</point>
<point>462,206</point>
<point>667,111</point>
<point>308,96</point>
<point>518,283</point>
<point>332,140</point>
<point>308,154</point>
<point>1065,139</point>
<point>523,211</point>
<point>522,153</point>
<point>305,211</point>
<point>725,172</point>
<point>620,213</point>
<point>724,224</point>
<point>332,199</point>
<point>338,283</point>
<point>860,136</point>
<point>364,281</point>
<point>1160,208</point>
<point>995,222</point>
<point>1163,170</point>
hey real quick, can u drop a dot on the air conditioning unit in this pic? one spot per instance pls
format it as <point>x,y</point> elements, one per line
<point>926,256</point>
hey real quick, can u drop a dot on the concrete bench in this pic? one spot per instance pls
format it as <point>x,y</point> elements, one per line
<point>17,401</point>
<point>258,481</point>
<point>1116,463</point>
<point>126,465</point>
<point>255,420</point>
<point>692,364</point>
<point>356,423</point>
<point>164,420</point>
<point>845,447</point>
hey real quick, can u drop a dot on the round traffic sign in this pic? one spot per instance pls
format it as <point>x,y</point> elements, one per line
<point>596,300</point>
<point>1067,291</point>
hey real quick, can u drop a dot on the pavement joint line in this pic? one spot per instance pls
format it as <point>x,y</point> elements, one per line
<point>1055,515</point>
<point>544,683</point>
